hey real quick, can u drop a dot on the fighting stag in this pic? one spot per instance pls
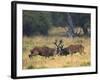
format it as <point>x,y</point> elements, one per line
<point>60,50</point>
<point>42,51</point>
<point>75,48</point>
<point>45,51</point>
<point>71,49</point>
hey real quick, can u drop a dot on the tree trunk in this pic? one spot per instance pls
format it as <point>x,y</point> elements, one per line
<point>71,26</point>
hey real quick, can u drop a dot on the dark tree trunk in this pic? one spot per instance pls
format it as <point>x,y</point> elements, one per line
<point>71,26</point>
<point>85,30</point>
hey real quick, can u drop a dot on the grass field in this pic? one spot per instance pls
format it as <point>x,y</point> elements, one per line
<point>37,62</point>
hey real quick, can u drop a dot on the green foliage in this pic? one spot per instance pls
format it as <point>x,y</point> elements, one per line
<point>35,23</point>
<point>39,22</point>
<point>59,19</point>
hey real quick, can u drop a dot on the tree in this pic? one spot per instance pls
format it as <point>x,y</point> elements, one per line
<point>39,22</point>
<point>35,23</point>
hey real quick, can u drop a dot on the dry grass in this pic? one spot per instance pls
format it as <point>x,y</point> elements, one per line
<point>54,61</point>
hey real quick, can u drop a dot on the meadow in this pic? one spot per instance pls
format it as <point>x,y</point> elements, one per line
<point>38,62</point>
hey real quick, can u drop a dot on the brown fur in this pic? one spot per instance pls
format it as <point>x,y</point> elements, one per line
<point>42,51</point>
<point>75,48</point>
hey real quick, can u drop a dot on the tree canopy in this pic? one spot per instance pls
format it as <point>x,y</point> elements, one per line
<point>39,22</point>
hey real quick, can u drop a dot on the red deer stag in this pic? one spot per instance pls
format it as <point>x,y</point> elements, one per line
<point>71,49</point>
<point>45,51</point>
<point>75,48</point>
<point>42,51</point>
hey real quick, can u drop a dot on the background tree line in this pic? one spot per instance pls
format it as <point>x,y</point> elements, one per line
<point>39,22</point>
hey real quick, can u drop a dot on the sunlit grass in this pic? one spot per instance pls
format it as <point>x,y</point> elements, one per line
<point>38,62</point>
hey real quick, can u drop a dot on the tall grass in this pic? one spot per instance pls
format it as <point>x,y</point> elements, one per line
<point>38,62</point>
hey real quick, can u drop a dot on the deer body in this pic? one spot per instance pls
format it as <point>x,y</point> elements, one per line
<point>75,48</point>
<point>71,49</point>
<point>42,51</point>
<point>46,51</point>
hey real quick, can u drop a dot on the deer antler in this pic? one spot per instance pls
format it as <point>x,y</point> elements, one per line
<point>61,44</point>
<point>56,42</point>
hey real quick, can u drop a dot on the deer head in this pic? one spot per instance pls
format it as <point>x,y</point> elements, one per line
<point>59,46</point>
